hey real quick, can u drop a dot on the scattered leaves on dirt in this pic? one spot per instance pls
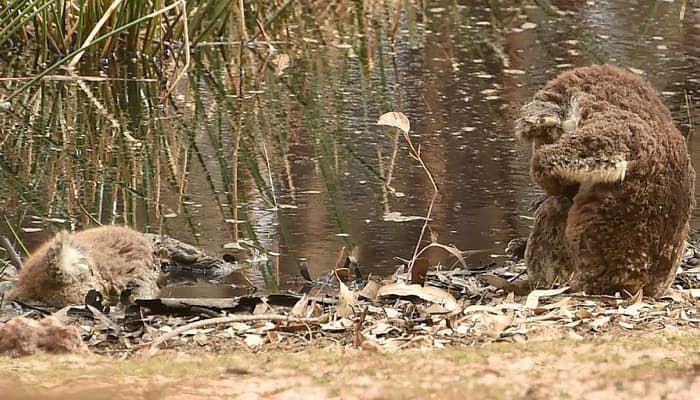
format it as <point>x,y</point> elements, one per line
<point>479,304</point>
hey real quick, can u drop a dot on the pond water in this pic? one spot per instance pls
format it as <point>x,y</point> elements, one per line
<point>235,139</point>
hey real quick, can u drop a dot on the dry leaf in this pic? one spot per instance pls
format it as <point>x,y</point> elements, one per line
<point>583,314</point>
<point>626,325</point>
<point>382,329</point>
<point>396,119</point>
<point>201,338</point>
<point>428,293</point>
<point>343,274</point>
<point>239,327</point>
<point>599,322</point>
<point>534,297</point>
<point>345,301</point>
<point>499,323</point>
<point>436,309</point>
<point>634,309</point>
<point>339,325</point>
<point>502,283</point>
<point>301,306</point>
<point>419,270</point>
<point>395,216</point>
<point>261,308</point>
<point>369,292</point>
<point>254,340</point>
<point>450,249</point>
<point>263,326</point>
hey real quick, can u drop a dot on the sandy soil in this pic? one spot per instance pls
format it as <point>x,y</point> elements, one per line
<point>658,366</point>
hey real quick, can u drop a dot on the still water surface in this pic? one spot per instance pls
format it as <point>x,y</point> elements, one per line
<point>458,73</point>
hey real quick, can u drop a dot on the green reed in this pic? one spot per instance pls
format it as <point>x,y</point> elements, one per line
<point>116,150</point>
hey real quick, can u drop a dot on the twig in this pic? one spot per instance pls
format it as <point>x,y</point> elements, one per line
<point>15,260</point>
<point>341,256</point>
<point>153,346</point>
<point>358,338</point>
<point>105,320</point>
<point>415,153</point>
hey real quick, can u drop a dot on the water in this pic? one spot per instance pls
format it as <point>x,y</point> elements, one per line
<point>459,74</point>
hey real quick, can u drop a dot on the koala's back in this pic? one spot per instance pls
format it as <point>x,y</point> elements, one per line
<point>119,253</point>
<point>109,259</point>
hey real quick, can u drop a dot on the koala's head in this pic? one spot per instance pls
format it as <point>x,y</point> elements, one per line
<point>543,122</point>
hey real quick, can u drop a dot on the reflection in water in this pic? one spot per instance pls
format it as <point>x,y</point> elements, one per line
<point>298,165</point>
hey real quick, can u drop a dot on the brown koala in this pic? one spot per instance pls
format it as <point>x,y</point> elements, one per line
<point>619,180</point>
<point>108,259</point>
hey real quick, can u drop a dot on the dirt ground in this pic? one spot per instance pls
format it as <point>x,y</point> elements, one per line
<point>662,365</point>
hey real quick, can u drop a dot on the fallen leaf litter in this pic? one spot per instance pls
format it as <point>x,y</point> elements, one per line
<point>454,307</point>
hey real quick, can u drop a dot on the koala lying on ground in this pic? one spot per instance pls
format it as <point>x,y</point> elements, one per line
<point>108,259</point>
<point>619,180</point>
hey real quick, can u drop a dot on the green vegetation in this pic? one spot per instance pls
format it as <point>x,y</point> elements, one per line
<point>200,118</point>
<point>60,27</point>
<point>116,140</point>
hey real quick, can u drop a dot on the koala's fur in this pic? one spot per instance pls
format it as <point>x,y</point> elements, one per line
<point>108,259</point>
<point>620,182</point>
<point>22,336</point>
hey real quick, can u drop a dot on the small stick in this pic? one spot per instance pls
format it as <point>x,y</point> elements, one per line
<point>341,256</point>
<point>11,253</point>
<point>153,345</point>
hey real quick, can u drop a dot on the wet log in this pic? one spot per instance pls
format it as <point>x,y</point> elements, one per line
<point>177,256</point>
<point>231,305</point>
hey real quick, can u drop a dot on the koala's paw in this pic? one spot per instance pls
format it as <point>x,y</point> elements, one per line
<point>539,120</point>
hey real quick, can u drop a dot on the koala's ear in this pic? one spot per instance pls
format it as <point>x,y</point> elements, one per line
<point>573,114</point>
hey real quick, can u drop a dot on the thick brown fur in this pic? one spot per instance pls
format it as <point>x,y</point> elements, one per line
<point>620,179</point>
<point>108,259</point>
<point>22,336</point>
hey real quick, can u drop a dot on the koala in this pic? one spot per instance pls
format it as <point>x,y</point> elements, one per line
<point>108,259</point>
<point>619,181</point>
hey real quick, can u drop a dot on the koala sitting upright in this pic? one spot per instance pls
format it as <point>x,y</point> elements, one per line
<point>619,180</point>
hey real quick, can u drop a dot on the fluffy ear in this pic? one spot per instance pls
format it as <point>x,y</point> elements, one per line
<point>573,115</point>
<point>53,254</point>
<point>539,120</point>
<point>64,261</point>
